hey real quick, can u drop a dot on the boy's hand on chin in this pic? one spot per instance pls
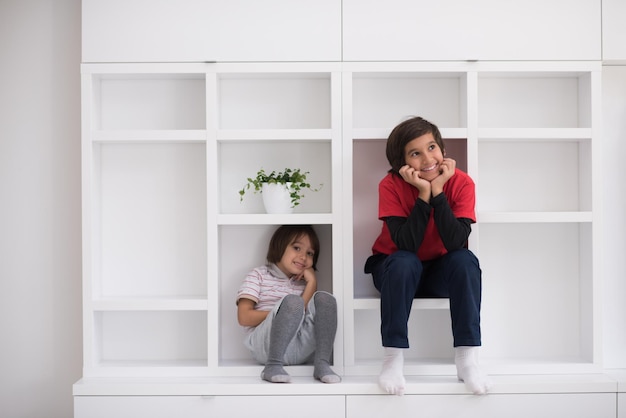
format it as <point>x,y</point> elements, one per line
<point>446,171</point>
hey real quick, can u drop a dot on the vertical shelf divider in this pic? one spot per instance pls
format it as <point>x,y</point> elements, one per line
<point>471,115</point>
<point>87,219</point>
<point>212,256</point>
<point>337,208</point>
<point>347,220</point>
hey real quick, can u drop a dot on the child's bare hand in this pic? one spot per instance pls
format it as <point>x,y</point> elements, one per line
<point>307,275</point>
<point>446,171</point>
<point>412,176</point>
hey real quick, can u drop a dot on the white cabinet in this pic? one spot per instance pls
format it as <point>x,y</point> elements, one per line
<point>400,30</point>
<point>210,30</point>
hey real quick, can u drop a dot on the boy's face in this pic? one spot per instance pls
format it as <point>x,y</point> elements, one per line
<point>298,256</point>
<point>424,155</point>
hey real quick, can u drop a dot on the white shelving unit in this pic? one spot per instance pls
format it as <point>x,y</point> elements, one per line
<point>528,133</point>
<point>166,147</point>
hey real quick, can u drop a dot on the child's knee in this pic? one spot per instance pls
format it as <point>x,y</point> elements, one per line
<point>324,300</point>
<point>292,303</point>
<point>404,261</point>
<point>464,258</point>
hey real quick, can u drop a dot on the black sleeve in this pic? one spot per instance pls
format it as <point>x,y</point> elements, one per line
<point>454,232</point>
<point>408,233</point>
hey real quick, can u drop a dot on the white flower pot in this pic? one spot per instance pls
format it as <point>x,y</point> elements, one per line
<point>276,198</point>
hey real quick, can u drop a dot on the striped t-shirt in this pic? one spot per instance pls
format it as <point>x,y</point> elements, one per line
<point>267,285</point>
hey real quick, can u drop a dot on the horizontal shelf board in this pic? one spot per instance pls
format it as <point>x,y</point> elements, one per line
<point>146,369</point>
<point>512,366</point>
<point>261,69</point>
<point>571,134</point>
<point>430,68</point>
<point>521,366</point>
<point>350,385</point>
<point>484,68</point>
<point>276,219</point>
<point>620,376</point>
<point>149,135</point>
<point>150,304</point>
<point>534,217</point>
<point>274,134</point>
<point>421,303</point>
<point>383,133</point>
<point>145,68</point>
<point>250,368</point>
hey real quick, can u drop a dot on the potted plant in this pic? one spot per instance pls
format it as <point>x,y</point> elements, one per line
<point>281,190</point>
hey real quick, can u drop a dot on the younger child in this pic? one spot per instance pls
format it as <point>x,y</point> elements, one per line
<point>287,320</point>
<point>426,206</point>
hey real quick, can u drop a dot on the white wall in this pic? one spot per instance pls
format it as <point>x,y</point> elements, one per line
<point>40,252</point>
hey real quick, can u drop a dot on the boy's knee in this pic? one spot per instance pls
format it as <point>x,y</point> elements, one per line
<point>405,261</point>
<point>464,257</point>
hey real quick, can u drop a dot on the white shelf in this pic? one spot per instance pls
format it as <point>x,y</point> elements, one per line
<point>274,134</point>
<point>150,304</point>
<point>383,133</point>
<point>139,135</point>
<point>534,217</point>
<point>374,304</point>
<point>351,385</point>
<point>539,134</point>
<point>276,219</point>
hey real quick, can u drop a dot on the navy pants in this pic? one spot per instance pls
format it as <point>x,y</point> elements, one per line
<point>401,277</point>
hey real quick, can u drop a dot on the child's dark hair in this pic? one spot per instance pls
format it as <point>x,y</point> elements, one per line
<point>285,235</point>
<point>404,133</point>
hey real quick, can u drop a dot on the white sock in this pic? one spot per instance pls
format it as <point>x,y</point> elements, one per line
<point>391,378</point>
<point>468,371</point>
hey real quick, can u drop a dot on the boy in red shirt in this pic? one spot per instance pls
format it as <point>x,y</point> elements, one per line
<point>427,208</point>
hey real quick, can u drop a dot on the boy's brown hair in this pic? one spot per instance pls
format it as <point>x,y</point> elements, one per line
<point>404,133</point>
<point>285,235</point>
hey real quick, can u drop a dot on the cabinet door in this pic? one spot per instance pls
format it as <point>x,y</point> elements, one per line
<point>140,31</point>
<point>597,405</point>
<point>211,30</point>
<point>277,30</point>
<point>208,406</point>
<point>471,30</point>
<point>613,30</point>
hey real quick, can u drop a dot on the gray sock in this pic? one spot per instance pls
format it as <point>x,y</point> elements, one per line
<point>284,327</point>
<point>325,328</point>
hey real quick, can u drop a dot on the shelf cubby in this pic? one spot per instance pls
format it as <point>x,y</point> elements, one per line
<point>149,220</point>
<point>135,339</point>
<point>239,160</point>
<point>149,102</point>
<point>251,242</point>
<point>284,100</point>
